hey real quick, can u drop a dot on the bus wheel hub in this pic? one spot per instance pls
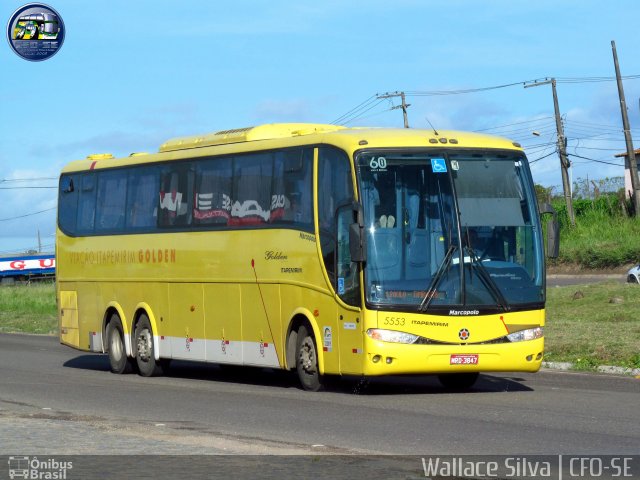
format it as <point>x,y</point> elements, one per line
<point>144,346</point>
<point>307,357</point>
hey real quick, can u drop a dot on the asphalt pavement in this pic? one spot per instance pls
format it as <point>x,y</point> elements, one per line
<point>56,400</point>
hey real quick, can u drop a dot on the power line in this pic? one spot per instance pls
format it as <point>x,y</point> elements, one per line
<point>512,124</point>
<point>22,188</point>
<point>534,126</point>
<point>369,116</point>
<point>342,118</point>
<point>594,79</point>
<point>417,93</point>
<point>546,144</point>
<point>598,125</point>
<point>601,149</point>
<point>596,139</point>
<point>26,215</point>
<point>526,131</point>
<point>579,130</point>
<point>540,158</point>
<point>361,115</point>
<point>32,179</point>
<point>434,93</point>
<point>594,160</point>
<point>365,106</point>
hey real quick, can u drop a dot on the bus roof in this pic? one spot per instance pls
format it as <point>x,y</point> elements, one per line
<point>281,135</point>
<point>249,134</point>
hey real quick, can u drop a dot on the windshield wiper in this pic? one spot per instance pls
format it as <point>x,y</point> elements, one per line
<point>435,281</point>
<point>489,283</point>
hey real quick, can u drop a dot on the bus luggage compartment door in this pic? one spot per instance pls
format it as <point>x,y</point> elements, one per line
<point>69,318</point>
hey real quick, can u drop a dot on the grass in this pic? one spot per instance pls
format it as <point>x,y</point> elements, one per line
<point>591,331</point>
<point>600,240</point>
<point>29,309</point>
<point>588,331</point>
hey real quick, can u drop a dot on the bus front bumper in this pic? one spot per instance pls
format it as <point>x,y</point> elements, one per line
<point>386,358</point>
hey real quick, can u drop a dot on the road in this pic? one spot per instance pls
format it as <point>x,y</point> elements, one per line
<point>204,409</point>
<point>562,280</point>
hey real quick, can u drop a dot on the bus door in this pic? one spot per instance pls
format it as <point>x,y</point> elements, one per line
<point>335,213</point>
<point>347,288</point>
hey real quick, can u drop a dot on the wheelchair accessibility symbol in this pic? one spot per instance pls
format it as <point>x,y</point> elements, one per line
<point>438,165</point>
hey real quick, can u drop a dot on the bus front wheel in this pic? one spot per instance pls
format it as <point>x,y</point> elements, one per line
<point>118,359</point>
<point>145,350</point>
<point>307,361</point>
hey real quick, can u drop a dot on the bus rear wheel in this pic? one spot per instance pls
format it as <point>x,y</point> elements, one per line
<point>307,361</point>
<point>145,350</point>
<point>458,381</point>
<point>118,359</point>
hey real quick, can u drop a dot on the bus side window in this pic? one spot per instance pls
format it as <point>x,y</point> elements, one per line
<point>112,195</point>
<point>87,203</point>
<point>212,198</point>
<point>141,199</point>
<point>292,192</point>
<point>176,182</point>
<point>334,189</point>
<point>68,203</point>
<point>251,200</point>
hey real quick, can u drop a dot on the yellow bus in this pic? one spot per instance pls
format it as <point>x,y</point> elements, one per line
<point>316,248</point>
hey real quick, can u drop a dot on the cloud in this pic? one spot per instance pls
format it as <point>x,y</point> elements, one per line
<point>119,143</point>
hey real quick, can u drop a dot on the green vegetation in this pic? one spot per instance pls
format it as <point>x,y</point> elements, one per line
<point>588,331</point>
<point>600,241</point>
<point>29,309</point>
<point>598,326</point>
<point>605,235</point>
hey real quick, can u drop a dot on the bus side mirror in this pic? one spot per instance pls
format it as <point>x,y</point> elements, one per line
<point>357,241</point>
<point>553,231</point>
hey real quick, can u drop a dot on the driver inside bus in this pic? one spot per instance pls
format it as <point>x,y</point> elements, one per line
<point>485,243</point>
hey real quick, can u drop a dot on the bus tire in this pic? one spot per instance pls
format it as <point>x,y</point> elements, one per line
<point>145,350</point>
<point>307,361</point>
<point>458,381</point>
<point>118,359</point>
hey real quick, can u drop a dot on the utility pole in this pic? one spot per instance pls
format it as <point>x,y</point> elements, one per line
<point>403,105</point>
<point>562,149</point>
<point>631,157</point>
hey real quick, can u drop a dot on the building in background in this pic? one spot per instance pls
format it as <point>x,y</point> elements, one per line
<point>627,172</point>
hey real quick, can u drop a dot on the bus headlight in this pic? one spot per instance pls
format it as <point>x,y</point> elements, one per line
<point>523,335</point>
<point>391,336</point>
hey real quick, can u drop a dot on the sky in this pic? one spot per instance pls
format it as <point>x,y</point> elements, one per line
<point>132,74</point>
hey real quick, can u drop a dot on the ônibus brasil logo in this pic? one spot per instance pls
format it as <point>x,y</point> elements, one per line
<point>27,467</point>
<point>35,32</point>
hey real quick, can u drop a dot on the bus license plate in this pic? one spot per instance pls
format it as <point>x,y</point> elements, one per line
<point>463,359</point>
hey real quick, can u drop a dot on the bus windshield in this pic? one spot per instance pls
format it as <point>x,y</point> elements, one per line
<point>450,230</point>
